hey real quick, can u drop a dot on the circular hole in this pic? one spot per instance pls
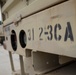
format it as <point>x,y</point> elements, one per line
<point>23,38</point>
<point>14,40</point>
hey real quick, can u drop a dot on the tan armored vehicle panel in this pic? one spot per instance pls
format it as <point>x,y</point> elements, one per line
<point>23,16</point>
<point>41,31</point>
<point>50,29</point>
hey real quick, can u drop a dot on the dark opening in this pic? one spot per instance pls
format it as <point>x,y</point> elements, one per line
<point>23,38</point>
<point>14,40</point>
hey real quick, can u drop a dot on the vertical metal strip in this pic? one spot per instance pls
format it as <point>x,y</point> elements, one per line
<point>11,61</point>
<point>22,65</point>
